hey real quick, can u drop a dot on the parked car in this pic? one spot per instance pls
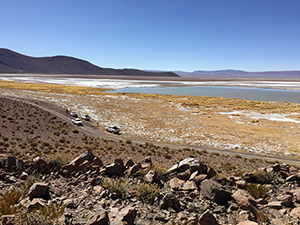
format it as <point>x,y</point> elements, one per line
<point>77,122</point>
<point>85,117</point>
<point>74,114</point>
<point>113,129</point>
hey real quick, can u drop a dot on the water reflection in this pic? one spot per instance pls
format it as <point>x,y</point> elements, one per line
<point>257,94</point>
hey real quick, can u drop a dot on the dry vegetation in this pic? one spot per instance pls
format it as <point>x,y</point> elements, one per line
<point>27,131</point>
<point>213,122</point>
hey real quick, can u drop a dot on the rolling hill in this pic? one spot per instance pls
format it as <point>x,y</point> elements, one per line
<point>13,62</point>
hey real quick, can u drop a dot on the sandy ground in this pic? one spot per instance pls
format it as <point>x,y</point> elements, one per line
<point>247,126</point>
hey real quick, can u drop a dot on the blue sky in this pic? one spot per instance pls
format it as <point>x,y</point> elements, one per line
<point>188,35</point>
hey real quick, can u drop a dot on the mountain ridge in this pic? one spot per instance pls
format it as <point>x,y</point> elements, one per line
<point>240,74</point>
<point>13,62</point>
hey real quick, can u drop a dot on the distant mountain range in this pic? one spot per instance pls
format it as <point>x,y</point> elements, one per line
<point>13,62</point>
<point>241,74</point>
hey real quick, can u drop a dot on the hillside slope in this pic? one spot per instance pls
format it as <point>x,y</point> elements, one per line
<point>13,62</point>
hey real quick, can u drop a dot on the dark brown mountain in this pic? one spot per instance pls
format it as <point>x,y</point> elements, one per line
<point>13,62</point>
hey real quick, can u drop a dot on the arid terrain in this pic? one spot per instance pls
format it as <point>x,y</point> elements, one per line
<point>267,128</point>
<point>178,160</point>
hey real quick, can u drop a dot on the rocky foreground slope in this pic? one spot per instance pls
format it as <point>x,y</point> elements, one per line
<point>126,192</point>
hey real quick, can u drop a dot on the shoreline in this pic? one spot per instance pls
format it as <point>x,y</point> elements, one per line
<point>117,82</point>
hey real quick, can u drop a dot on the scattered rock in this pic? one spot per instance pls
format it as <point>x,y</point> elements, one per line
<point>214,191</point>
<point>176,183</point>
<point>126,216</point>
<point>245,200</point>
<point>133,170</point>
<point>146,162</point>
<point>189,186</point>
<point>151,176</point>
<point>38,190</point>
<point>100,219</point>
<point>248,222</point>
<point>207,219</point>
<point>115,169</point>
<point>170,200</point>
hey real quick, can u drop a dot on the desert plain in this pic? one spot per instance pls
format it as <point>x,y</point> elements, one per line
<point>266,128</point>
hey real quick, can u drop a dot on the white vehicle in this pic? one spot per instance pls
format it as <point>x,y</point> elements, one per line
<point>77,122</point>
<point>74,114</point>
<point>85,117</point>
<point>113,129</point>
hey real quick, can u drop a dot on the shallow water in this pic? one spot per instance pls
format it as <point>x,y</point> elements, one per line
<point>257,94</point>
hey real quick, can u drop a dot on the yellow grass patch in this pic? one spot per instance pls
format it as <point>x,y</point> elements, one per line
<point>178,119</point>
<point>52,88</point>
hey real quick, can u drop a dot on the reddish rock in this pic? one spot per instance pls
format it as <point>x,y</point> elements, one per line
<point>133,191</point>
<point>296,193</point>
<point>214,191</point>
<point>98,188</point>
<point>249,177</point>
<point>146,162</point>
<point>207,219</point>
<point>10,163</point>
<point>86,165</point>
<point>55,190</point>
<point>170,200</point>
<point>172,171</point>
<point>245,200</point>
<point>36,203</point>
<point>248,222</point>
<point>38,190</point>
<point>295,212</point>
<point>201,177</point>
<point>176,183</point>
<point>184,175</point>
<point>83,157</point>
<point>70,168</point>
<point>275,204</point>
<point>115,169</point>
<point>286,200</point>
<point>127,215</point>
<point>284,174</point>
<point>188,186</point>
<point>134,169</point>
<point>69,203</point>
<point>97,162</point>
<point>189,163</point>
<point>20,164</point>
<point>100,219</point>
<point>291,178</point>
<point>241,184</point>
<point>211,173</point>
<point>276,222</point>
<point>23,176</point>
<point>151,176</point>
<point>129,163</point>
<point>193,175</point>
<point>40,165</point>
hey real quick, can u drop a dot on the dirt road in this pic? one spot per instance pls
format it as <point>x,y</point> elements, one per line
<point>91,129</point>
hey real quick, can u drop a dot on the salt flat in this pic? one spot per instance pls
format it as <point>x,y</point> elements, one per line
<point>116,82</point>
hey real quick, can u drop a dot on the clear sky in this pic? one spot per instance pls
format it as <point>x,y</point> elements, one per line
<point>188,35</point>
